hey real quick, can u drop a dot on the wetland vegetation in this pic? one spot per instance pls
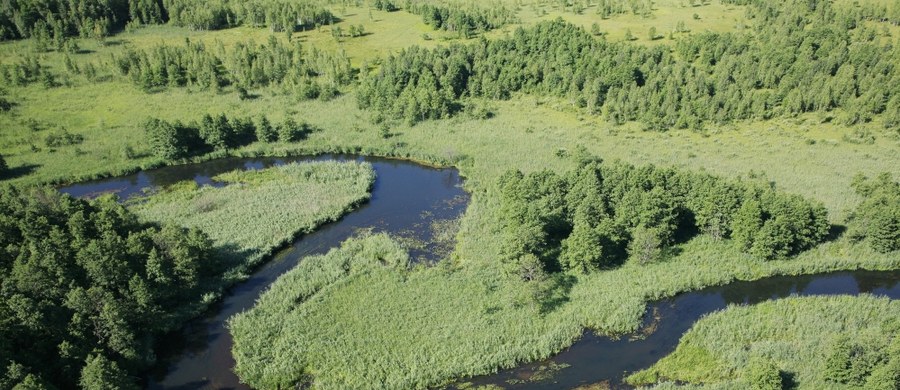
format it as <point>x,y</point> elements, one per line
<point>616,151</point>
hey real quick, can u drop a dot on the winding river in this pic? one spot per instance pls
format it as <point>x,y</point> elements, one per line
<point>406,199</point>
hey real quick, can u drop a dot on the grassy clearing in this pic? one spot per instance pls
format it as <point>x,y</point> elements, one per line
<point>260,211</point>
<point>797,334</point>
<point>665,17</point>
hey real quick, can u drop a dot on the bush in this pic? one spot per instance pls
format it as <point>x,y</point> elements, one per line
<point>62,137</point>
<point>291,131</point>
<point>877,218</point>
<point>763,374</point>
<point>166,141</point>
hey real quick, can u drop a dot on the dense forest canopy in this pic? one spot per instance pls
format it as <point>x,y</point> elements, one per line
<point>58,19</point>
<point>800,58</point>
<point>86,287</point>
<point>602,213</point>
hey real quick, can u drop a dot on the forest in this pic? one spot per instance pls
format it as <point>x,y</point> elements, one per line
<point>87,286</point>
<point>706,78</point>
<point>558,170</point>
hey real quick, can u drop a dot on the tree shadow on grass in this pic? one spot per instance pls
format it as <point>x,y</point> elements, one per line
<point>835,232</point>
<point>19,171</point>
<point>556,292</point>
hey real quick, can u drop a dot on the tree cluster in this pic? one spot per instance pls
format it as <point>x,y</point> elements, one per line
<point>175,140</point>
<point>598,215</point>
<point>54,20</point>
<point>57,19</point>
<point>465,19</point>
<point>798,61</point>
<point>864,365</point>
<point>28,69</point>
<point>84,288</point>
<point>307,73</point>
<point>877,218</point>
<point>277,15</point>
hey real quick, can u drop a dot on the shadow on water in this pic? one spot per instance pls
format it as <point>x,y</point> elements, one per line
<point>595,358</point>
<point>405,197</point>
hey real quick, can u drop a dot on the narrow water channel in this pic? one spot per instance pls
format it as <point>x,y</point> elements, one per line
<point>405,200</point>
<point>597,359</point>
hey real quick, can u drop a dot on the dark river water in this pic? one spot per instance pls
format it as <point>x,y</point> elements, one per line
<point>406,199</point>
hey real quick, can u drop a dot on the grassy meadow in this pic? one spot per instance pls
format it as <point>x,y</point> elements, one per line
<point>259,211</point>
<point>796,334</point>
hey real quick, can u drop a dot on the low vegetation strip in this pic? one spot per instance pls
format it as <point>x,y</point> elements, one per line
<point>258,211</point>
<point>811,342</point>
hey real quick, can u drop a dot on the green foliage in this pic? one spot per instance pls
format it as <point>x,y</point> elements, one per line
<point>62,137</point>
<point>277,15</point>
<point>264,130</point>
<point>589,217</point>
<point>291,131</point>
<point>708,78</point>
<point>170,141</point>
<point>3,166</point>
<point>823,342</point>
<point>246,65</point>
<point>763,375</point>
<point>465,19</point>
<point>87,278</point>
<point>99,373</point>
<point>877,218</point>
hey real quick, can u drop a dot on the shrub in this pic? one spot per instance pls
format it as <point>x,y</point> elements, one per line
<point>763,374</point>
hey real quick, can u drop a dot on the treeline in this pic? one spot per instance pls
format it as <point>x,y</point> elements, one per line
<point>306,73</point>
<point>176,140</point>
<point>54,20</point>
<point>85,287</point>
<point>467,19</point>
<point>62,18</point>
<point>277,15</point>
<point>874,10</point>
<point>602,213</point>
<point>797,62</point>
<point>877,218</point>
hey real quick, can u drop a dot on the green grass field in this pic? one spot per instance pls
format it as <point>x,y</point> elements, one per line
<point>257,212</point>
<point>796,334</point>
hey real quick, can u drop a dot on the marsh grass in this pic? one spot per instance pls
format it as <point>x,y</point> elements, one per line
<point>400,328</point>
<point>259,211</point>
<point>795,333</point>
